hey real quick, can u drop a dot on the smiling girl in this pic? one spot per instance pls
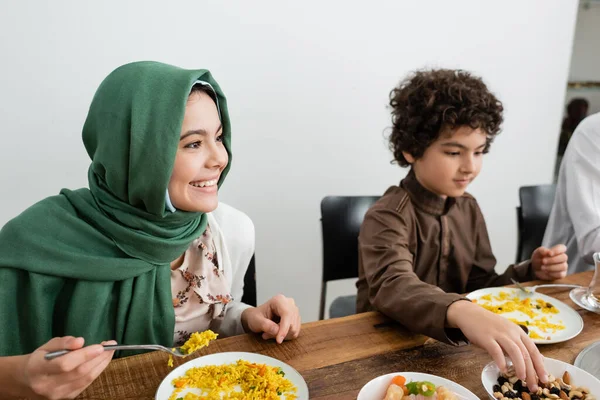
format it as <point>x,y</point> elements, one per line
<point>138,257</point>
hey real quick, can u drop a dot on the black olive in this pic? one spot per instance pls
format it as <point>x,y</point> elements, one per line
<point>510,395</point>
<point>518,386</point>
<point>502,380</point>
<point>497,388</point>
<point>555,391</point>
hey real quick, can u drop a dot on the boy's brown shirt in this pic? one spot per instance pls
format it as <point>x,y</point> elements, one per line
<point>417,251</point>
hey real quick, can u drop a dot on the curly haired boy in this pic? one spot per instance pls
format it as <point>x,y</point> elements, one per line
<point>425,241</point>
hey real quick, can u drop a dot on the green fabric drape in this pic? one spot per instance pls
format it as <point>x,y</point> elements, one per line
<point>95,262</point>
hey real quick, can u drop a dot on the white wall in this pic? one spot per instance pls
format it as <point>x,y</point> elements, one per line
<point>585,62</point>
<point>307,85</point>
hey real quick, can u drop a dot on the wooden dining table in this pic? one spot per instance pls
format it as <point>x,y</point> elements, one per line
<point>337,357</point>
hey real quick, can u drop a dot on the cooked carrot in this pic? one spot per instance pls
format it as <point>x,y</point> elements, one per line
<point>179,383</point>
<point>399,380</point>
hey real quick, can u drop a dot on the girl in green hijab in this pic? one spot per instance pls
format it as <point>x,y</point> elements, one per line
<point>138,257</point>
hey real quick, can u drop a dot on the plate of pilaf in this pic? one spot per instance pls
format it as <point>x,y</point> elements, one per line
<point>545,319</point>
<point>233,375</point>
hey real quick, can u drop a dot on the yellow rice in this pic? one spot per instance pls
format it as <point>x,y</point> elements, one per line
<point>196,341</point>
<point>242,380</point>
<point>505,302</point>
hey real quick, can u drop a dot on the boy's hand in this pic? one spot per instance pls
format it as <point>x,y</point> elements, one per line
<point>499,337</point>
<point>550,264</point>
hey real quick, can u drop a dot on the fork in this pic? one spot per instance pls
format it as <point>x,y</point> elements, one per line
<point>532,289</point>
<point>176,351</point>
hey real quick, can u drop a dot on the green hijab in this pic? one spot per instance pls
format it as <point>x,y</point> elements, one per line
<point>96,262</point>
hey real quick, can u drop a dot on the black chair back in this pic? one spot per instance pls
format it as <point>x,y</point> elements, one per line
<point>249,296</point>
<point>532,217</point>
<point>341,218</point>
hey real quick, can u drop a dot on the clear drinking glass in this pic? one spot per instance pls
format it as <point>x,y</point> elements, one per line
<point>589,297</point>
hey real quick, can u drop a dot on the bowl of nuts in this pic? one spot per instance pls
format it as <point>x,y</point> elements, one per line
<point>565,382</point>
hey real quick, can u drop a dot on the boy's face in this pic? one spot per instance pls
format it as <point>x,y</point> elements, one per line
<point>451,162</point>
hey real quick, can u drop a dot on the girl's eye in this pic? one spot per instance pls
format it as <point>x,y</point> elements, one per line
<point>193,145</point>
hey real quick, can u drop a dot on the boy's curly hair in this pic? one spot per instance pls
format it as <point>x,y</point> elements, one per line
<point>431,101</point>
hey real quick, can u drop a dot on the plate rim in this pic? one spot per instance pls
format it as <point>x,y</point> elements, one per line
<point>420,373</point>
<point>583,353</point>
<point>539,341</point>
<point>231,353</point>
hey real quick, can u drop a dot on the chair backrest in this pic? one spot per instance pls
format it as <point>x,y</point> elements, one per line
<point>532,217</point>
<point>249,296</point>
<point>341,217</point>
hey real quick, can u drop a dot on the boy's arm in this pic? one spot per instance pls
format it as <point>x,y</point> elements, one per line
<point>483,273</point>
<point>394,288</point>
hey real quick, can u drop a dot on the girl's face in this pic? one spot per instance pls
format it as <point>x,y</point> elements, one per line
<point>201,157</point>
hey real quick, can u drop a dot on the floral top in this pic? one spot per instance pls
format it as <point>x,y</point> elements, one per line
<point>200,289</point>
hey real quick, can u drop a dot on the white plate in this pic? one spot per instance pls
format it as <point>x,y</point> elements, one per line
<point>589,359</point>
<point>490,374</point>
<point>566,315</point>
<point>166,387</point>
<point>376,388</point>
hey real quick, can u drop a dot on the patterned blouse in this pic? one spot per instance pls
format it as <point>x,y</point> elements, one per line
<point>200,289</point>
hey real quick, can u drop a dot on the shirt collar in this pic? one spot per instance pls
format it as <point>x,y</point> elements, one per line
<point>424,199</point>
